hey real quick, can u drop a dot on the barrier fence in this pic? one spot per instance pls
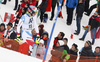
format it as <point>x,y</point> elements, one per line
<point>53,57</point>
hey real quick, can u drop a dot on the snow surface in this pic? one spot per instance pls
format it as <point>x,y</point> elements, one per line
<point>61,26</point>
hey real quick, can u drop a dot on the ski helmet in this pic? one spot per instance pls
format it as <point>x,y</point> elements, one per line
<point>32,10</point>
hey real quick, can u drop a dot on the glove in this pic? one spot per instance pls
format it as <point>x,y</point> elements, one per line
<point>18,35</point>
<point>37,39</point>
<point>18,40</point>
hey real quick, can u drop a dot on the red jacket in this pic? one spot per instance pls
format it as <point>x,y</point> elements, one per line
<point>97,18</point>
<point>55,43</point>
<point>45,41</point>
<point>2,33</point>
<point>33,2</point>
<point>24,48</point>
<point>20,10</point>
<point>98,30</point>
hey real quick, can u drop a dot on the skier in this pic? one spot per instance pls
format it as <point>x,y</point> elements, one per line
<point>28,22</point>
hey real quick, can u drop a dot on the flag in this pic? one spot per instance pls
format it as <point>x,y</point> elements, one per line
<point>72,30</point>
<point>9,18</point>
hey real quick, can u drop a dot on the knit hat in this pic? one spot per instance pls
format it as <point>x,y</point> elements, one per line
<point>65,39</point>
<point>41,26</point>
<point>88,42</point>
<point>75,45</point>
<point>45,33</point>
<point>42,41</point>
<point>2,24</point>
<point>61,42</point>
<point>10,24</point>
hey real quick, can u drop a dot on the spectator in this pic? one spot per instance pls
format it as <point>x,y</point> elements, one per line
<point>41,30</point>
<point>60,52</point>
<point>54,2</point>
<point>92,26</point>
<point>40,50</point>
<point>45,38</point>
<point>59,47</point>
<point>2,29</point>
<point>16,4</point>
<point>34,35</point>
<point>87,49</point>
<point>97,51</point>
<point>65,40</point>
<point>10,33</point>
<point>21,10</point>
<point>79,12</point>
<point>59,37</point>
<point>42,8</point>
<point>74,49</point>
<point>70,6</point>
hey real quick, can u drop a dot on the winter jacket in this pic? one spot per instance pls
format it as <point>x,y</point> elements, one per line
<point>80,9</point>
<point>74,52</point>
<point>33,3</point>
<point>71,3</point>
<point>10,34</point>
<point>12,45</point>
<point>40,52</point>
<point>55,42</point>
<point>66,48</point>
<point>93,22</point>
<point>87,51</point>
<point>41,32</point>
<point>23,48</point>
<point>59,48</point>
<point>96,54</point>
<point>43,5</point>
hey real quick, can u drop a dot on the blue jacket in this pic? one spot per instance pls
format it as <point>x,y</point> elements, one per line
<point>71,3</point>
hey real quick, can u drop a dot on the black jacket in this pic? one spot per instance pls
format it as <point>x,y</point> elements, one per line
<point>11,34</point>
<point>96,54</point>
<point>43,5</point>
<point>87,51</point>
<point>65,48</point>
<point>74,52</point>
<point>94,23</point>
<point>80,9</point>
